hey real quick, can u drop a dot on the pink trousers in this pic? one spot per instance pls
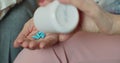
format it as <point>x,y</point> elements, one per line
<point>81,48</point>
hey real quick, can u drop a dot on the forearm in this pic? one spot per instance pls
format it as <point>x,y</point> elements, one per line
<point>116,24</point>
<point>104,21</point>
<point>108,23</point>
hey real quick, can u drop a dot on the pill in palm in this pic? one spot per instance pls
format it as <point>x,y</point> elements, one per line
<point>35,37</point>
<point>39,35</point>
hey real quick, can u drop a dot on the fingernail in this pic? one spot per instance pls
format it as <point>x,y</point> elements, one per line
<point>16,45</point>
<point>41,1</point>
<point>20,40</point>
<point>42,45</point>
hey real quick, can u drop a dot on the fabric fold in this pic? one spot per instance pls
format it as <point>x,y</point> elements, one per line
<point>5,5</point>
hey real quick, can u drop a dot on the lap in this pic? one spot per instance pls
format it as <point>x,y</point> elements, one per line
<point>81,48</point>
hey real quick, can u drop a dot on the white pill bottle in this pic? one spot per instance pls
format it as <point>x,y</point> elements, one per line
<point>56,18</point>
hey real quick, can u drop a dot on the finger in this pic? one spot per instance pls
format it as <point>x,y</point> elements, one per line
<point>25,44</point>
<point>48,41</point>
<point>23,34</point>
<point>64,37</point>
<point>44,2</point>
<point>20,38</point>
<point>30,44</point>
<point>33,45</point>
<point>32,34</point>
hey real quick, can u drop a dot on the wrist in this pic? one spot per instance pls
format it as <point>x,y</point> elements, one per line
<point>104,21</point>
<point>94,12</point>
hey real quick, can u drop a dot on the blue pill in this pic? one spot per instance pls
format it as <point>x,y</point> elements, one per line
<point>42,35</point>
<point>39,32</point>
<point>39,35</point>
<point>35,37</point>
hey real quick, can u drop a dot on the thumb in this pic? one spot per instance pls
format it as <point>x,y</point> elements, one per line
<point>23,34</point>
<point>64,37</point>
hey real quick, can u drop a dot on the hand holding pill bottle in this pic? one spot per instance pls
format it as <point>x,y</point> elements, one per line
<point>56,18</point>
